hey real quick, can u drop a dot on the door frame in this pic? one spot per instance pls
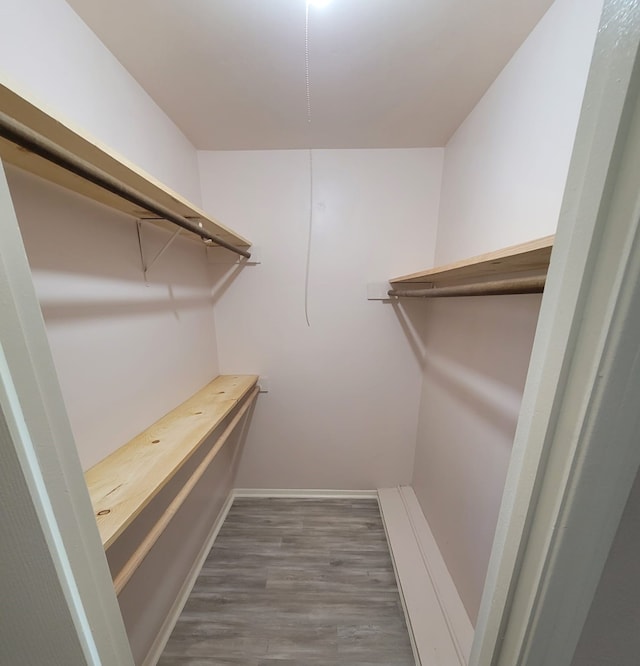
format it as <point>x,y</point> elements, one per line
<point>62,589</point>
<point>575,454</point>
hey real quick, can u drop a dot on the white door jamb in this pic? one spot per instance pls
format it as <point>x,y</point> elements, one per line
<point>575,454</point>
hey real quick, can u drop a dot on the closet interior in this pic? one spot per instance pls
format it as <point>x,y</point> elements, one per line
<point>197,367</point>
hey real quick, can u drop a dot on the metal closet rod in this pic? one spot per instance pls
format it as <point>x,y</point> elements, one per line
<point>528,285</point>
<point>26,138</point>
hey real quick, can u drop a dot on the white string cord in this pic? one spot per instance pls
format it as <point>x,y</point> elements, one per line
<point>306,276</point>
<point>308,88</point>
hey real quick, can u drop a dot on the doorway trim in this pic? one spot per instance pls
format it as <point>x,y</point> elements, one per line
<point>48,527</point>
<point>575,457</point>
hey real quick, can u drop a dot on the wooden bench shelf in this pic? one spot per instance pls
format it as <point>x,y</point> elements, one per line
<point>124,482</point>
<point>527,257</point>
<point>17,108</point>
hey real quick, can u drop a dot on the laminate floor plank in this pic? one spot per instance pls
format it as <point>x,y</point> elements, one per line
<point>289,581</point>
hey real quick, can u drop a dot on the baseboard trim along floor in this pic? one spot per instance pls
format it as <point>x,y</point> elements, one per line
<point>440,627</point>
<point>305,493</point>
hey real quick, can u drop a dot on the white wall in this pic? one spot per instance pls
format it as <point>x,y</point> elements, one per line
<point>506,165</point>
<point>50,56</point>
<point>476,359</point>
<point>125,352</point>
<point>342,407</point>
<point>503,181</point>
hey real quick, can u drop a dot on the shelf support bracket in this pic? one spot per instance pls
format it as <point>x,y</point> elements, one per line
<point>218,257</point>
<point>146,267</point>
<point>165,247</point>
<point>142,260</point>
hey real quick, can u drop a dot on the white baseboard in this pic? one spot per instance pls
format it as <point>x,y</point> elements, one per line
<point>303,493</point>
<point>172,616</point>
<point>441,630</point>
<point>412,637</point>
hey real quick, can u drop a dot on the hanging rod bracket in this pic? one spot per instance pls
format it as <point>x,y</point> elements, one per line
<point>165,247</point>
<point>217,257</point>
<point>378,291</point>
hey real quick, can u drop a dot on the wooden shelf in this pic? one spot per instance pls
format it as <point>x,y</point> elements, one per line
<point>124,482</point>
<point>97,155</point>
<point>527,257</point>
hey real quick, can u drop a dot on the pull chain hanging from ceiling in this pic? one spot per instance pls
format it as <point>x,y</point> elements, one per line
<point>308,88</point>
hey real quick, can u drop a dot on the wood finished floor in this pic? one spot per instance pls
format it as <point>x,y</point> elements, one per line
<point>291,581</point>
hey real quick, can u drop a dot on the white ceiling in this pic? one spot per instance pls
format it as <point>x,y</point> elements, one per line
<point>384,73</point>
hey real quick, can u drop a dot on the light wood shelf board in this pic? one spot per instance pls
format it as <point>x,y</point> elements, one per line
<point>121,485</point>
<point>98,155</point>
<point>526,257</point>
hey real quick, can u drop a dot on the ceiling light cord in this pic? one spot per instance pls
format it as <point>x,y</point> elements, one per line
<point>310,231</point>
<point>307,271</point>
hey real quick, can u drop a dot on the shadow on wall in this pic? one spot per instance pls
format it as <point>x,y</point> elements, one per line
<point>87,263</point>
<point>412,315</point>
<point>466,341</point>
<point>126,351</point>
<point>224,267</point>
<point>475,354</point>
<point>78,309</point>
